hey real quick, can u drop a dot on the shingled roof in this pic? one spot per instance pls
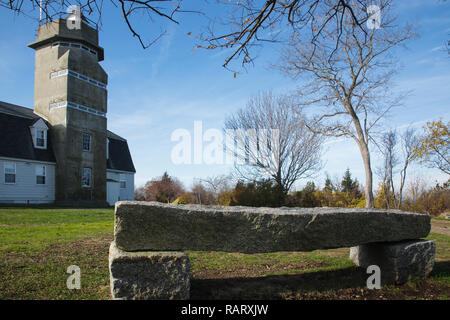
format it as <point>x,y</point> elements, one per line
<point>15,135</point>
<point>16,141</point>
<point>119,154</point>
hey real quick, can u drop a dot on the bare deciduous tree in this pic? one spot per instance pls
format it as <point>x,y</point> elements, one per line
<point>408,141</point>
<point>201,194</point>
<point>217,184</point>
<point>388,148</point>
<point>251,23</point>
<point>396,149</point>
<point>244,24</point>
<point>132,11</point>
<point>347,79</point>
<point>293,152</point>
<point>139,194</point>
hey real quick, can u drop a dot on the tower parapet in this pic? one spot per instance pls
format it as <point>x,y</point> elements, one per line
<point>57,30</point>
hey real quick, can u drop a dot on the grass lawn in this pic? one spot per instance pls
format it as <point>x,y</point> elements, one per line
<point>38,244</point>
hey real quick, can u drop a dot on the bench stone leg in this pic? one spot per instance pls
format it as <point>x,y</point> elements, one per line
<point>398,261</point>
<point>148,274</point>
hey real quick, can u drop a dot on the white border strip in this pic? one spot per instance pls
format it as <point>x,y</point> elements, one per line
<point>77,106</point>
<point>75,45</point>
<point>77,75</point>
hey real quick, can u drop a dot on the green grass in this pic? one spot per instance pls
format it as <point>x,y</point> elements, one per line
<point>38,244</point>
<point>42,274</point>
<point>284,262</point>
<point>441,271</point>
<point>31,229</point>
<point>53,216</point>
<point>439,237</point>
<point>440,218</point>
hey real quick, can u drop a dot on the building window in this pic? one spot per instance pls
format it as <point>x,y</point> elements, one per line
<point>123,182</point>
<point>40,174</point>
<point>86,142</point>
<point>86,180</point>
<point>40,138</point>
<point>10,172</point>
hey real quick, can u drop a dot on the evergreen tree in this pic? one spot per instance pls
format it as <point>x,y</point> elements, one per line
<point>347,181</point>
<point>328,185</point>
<point>349,185</point>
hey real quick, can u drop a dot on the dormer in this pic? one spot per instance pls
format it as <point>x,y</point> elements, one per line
<point>39,132</point>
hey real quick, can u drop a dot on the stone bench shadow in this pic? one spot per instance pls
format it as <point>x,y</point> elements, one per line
<point>147,259</point>
<point>441,269</point>
<point>272,287</point>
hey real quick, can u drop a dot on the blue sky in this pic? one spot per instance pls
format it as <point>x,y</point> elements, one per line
<point>153,92</point>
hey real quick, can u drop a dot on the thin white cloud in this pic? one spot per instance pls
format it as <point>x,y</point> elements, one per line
<point>166,43</point>
<point>439,48</point>
<point>135,120</point>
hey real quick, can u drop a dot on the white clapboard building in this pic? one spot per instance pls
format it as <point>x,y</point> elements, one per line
<point>27,161</point>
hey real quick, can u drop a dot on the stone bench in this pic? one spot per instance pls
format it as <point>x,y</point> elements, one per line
<point>146,258</point>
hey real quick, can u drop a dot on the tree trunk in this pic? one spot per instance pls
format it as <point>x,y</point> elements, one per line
<point>402,183</point>
<point>368,187</point>
<point>364,149</point>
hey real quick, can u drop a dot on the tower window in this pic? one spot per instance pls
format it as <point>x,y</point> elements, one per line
<point>86,180</point>
<point>86,142</point>
<point>40,174</point>
<point>10,172</point>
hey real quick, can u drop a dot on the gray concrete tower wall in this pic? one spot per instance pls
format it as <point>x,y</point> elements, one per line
<point>70,93</point>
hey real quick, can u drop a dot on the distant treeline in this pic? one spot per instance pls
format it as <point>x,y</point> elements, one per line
<point>344,193</point>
